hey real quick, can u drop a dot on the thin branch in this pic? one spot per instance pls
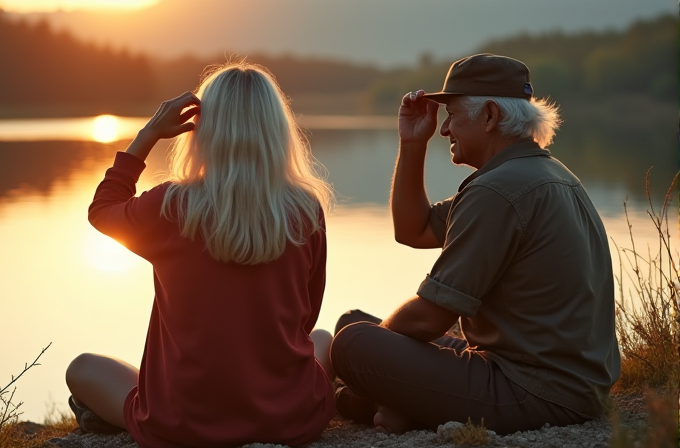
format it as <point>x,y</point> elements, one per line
<point>26,368</point>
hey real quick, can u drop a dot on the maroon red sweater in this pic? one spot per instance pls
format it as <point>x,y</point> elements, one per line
<point>228,359</point>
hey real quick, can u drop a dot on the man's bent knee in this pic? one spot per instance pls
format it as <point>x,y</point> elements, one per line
<point>354,316</point>
<point>351,348</point>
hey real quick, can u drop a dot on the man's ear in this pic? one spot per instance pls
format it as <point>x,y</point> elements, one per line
<point>492,115</point>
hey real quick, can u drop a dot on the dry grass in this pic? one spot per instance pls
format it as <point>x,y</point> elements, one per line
<point>19,435</point>
<point>648,330</point>
<point>471,435</point>
<point>648,318</point>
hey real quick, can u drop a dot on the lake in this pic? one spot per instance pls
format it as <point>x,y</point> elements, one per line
<point>63,282</point>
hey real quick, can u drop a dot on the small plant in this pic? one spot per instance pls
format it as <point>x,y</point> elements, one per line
<point>17,434</point>
<point>471,435</point>
<point>9,412</point>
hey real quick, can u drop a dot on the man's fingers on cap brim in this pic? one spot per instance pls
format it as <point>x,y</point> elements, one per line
<point>439,97</point>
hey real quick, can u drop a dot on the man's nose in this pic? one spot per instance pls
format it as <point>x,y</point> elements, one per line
<point>444,130</point>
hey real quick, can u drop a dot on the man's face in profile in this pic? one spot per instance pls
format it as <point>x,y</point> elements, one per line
<point>465,134</point>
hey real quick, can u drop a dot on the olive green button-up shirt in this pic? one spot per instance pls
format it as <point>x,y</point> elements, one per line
<point>526,264</point>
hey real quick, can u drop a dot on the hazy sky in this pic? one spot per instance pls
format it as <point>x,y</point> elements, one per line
<point>384,32</point>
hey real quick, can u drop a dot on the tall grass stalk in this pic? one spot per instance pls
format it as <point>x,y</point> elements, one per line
<point>648,330</point>
<point>648,315</point>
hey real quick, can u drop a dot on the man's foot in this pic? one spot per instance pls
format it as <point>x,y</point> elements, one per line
<point>390,421</point>
<point>352,406</point>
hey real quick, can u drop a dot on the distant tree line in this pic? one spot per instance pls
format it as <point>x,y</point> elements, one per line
<point>41,67</point>
<point>48,72</point>
<point>641,60</point>
<point>294,74</point>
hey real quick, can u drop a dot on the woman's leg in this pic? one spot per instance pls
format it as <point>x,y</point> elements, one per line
<point>322,345</point>
<point>102,384</point>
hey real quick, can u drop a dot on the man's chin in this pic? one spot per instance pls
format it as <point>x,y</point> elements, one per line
<point>458,161</point>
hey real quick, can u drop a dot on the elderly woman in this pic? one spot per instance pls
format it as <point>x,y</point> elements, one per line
<point>237,242</point>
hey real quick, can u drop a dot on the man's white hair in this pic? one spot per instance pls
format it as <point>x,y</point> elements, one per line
<point>538,119</point>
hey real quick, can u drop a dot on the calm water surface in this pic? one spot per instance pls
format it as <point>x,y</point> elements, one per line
<point>63,282</point>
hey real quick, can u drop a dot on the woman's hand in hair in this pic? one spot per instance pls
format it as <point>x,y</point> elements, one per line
<point>170,120</point>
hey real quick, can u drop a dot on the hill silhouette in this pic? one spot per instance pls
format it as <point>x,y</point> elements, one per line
<point>49,73</point>
<point>52,73</point>
<point>639,61</point>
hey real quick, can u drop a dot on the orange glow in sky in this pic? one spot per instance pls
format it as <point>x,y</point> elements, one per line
<point>26,6</point>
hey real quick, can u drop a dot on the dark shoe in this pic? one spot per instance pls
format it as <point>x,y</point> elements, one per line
<point>354,407</point>
<point>91,422</point>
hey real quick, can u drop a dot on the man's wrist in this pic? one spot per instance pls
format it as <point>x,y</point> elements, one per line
<point>413,145</point>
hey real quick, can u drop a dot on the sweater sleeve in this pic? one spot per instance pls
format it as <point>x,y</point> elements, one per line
<point>317,279</point>
<point>116,212</point>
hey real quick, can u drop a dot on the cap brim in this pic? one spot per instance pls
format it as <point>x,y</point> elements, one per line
<point>440,97</point>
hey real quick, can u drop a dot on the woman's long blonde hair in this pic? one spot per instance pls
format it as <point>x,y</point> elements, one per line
<point>245,177</point>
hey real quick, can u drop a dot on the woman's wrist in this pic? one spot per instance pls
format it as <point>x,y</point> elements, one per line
<point>142,144</point>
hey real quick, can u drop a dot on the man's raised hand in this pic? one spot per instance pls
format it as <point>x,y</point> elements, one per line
<point>417,118</point>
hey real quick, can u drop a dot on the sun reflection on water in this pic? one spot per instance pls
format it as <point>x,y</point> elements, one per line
<point>108,255</point>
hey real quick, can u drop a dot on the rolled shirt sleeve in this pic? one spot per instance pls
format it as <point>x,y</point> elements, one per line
<point>439,214</point>
<point>482,233</point>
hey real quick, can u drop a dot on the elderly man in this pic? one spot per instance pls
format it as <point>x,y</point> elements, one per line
<point>525,269</point>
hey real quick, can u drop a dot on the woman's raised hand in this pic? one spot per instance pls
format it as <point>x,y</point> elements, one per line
<point>170,120</point>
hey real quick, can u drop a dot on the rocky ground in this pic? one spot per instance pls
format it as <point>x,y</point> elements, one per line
<point>344,434</point>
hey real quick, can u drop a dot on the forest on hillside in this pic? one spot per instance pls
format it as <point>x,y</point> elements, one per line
<point>49,73</point>
<point>642,60</point>
<point>44,71</point>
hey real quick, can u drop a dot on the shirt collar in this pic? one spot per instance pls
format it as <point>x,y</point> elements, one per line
<point>527,148</point>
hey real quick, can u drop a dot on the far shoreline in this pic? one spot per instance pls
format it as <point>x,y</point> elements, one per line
<point>619,109</point>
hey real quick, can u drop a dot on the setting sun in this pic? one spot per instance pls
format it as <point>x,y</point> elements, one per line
<point>27,6</point>
<point>105,128</point>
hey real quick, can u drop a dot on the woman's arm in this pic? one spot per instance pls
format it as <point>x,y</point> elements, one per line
<point>115,211</point>
<point>170,120</point>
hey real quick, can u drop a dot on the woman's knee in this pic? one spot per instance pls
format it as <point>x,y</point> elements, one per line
<point>77,369</point>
